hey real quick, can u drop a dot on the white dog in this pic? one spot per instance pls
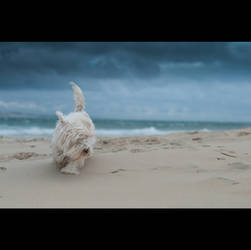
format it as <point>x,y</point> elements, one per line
<point>74,136</point>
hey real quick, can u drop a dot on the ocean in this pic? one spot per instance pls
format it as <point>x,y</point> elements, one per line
<point>30,126</point>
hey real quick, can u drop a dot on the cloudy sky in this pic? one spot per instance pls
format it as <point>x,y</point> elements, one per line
<point>129,80</point>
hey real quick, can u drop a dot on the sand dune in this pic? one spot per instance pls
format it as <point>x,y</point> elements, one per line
<point>193,169</point>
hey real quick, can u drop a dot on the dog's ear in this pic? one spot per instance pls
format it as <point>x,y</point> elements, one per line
<point>60,116</point>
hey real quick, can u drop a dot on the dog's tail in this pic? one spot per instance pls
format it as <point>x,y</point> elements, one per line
<point>60,116</point>
<point>78,97</point>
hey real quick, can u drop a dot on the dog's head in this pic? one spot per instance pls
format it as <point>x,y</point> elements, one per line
<point>80,145</point>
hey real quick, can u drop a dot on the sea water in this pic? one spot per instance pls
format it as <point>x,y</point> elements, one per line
<point>31,126</point>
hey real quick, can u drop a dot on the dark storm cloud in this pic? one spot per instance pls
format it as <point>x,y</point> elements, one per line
<point>52,64</point>
<point>184,81</point>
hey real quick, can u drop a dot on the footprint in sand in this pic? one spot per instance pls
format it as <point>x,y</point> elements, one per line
<point>26,155</point>
<point>219,180</point>
<point>220,158</point>
<point>243,133</point>
<point>3,168</point>
<point>151,141</point>
<point>196,139</point>
<point>135,141</point>
<point>230,155</point>
<point>136,150</point>
<point>233,182</point>
<point>239,166</point>
<point>117,171</point>
<point>119,149</point>
<point>175,144</point>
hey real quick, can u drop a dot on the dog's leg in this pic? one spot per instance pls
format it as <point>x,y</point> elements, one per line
<point>73,167</point>
<point>70,169</point>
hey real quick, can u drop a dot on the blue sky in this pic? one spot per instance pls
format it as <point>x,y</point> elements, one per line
<point>206,81</point>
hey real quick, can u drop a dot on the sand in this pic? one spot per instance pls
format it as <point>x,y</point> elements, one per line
<point>182,170</point>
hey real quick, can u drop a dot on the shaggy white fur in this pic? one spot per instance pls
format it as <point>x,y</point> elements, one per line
<point>74,137</point>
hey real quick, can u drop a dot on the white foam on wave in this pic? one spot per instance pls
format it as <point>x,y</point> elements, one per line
<point>205,130</point>
<point>37,131</point>
<point>20,131</point>
<point>132,132</point>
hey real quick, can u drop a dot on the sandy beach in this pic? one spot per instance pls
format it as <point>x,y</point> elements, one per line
<point>182,170</point>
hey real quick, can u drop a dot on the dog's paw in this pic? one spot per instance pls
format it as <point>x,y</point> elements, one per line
<point>70,170</point>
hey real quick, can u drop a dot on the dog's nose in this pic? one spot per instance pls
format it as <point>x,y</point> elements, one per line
<point>86,150</point>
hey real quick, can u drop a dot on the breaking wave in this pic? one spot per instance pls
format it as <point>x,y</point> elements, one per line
<point>37,132</point>
<point>23,132</point>
<point>132,132</point>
